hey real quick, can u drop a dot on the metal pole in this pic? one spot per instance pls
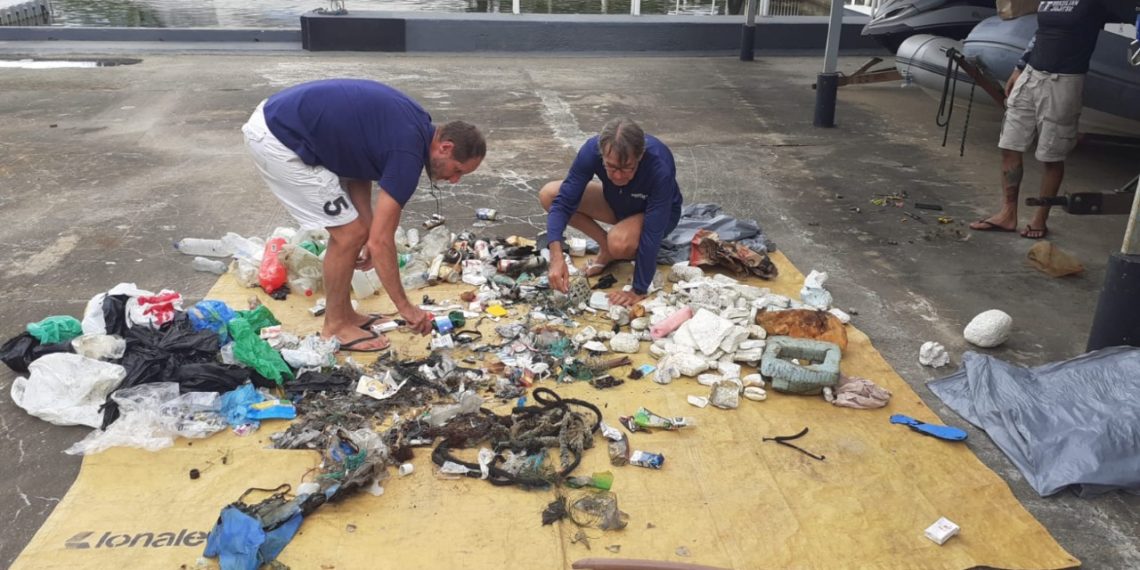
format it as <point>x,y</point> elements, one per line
<point>765,8</point>
<point>748,32</point>
<point>635,8</point>
<point>827,84</point>
<point>1117,318</point>
<point>1132,232</point>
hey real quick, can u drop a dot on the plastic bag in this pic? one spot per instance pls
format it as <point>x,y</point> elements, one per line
<point>215,377</point>
<point>59,328</point>
<point>212,315</point>
<point>23,349</point>
<point>105,312</point>
<point>152,416</point>
<point>236,403</point>
<point>250,349</point>
<point>154,310</point>
<point>272,273</point>
<point>1053,261</point>
<point>67,389</point>
<point>99,346</point>
<point>259,318</point>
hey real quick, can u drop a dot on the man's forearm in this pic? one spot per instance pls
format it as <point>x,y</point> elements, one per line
<point>384,259</point>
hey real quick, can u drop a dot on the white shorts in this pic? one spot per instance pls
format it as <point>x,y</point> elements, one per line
<point>1046,106</point>
<point>314,195</point>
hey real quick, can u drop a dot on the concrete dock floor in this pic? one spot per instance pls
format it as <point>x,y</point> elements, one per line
<point>102,169</point>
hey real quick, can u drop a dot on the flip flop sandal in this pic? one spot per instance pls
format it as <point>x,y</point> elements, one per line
<point>990,227</point>
<point>351,346</point>
<point>374,318</point>
<point>1042,232</point>
<point>594,265</point>
<point>948,433</point>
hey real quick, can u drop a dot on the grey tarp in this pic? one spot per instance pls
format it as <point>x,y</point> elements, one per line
<point>1075,422</point>
<point>675,246</point>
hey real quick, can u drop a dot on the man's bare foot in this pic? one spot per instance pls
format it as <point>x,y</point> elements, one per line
<point>599,264</point>
<point>353,338</point>
<point>994,224</point>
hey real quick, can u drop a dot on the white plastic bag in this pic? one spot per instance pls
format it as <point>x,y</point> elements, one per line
<point>100,346</point>
<point>67,389</point>
<point>93,322</point>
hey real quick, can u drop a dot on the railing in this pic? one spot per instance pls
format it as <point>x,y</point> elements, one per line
<point>33,13</point>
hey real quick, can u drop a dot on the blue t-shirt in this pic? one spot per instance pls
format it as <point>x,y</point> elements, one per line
<point>653,190</point>
<point>355,128</point>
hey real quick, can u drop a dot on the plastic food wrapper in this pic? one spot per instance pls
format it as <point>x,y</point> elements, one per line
<point>645,420</point>
<point>603,480</point>
<point>67,389</point>
<point>647,459</point>
<point>598,509</point>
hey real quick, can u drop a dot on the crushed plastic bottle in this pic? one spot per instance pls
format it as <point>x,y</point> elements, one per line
<point>209,265</point>
<point>203,247</point>
<point>250,249</point>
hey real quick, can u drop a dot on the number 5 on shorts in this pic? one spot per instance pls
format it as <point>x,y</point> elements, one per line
<point>335,207</point>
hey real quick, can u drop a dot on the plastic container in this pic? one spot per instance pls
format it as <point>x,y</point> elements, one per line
<point>306,270</point>
<point>209,265</point>
<point>203,247</point>
<point>435,242</point>
<point>365,283</point>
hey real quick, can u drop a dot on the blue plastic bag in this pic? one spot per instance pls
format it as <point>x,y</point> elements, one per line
<point>212,315</point>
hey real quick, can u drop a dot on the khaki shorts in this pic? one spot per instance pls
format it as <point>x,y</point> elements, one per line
<point>1046,106</point>
<point>313,195</point>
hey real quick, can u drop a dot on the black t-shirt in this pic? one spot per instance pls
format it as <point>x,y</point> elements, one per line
<point>1067,31</point>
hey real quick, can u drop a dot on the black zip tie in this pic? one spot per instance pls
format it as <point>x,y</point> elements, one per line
<point>784,439</point>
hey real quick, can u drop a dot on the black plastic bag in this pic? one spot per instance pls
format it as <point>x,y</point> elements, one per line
<point>313,381</point>
<point>217,377</point>
<point>23,348</point>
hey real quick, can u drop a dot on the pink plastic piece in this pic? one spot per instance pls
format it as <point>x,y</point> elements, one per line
<point>670,324</point>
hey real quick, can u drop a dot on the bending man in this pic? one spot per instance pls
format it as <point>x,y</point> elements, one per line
<point>636,192</point>
<point>319,146</point>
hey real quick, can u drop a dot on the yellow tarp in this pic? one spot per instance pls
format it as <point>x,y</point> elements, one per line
<point>727,498</point>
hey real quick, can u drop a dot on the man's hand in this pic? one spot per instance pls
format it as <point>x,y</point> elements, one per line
<point>1012,79</point>
<point>418,320</point>
<point>364,259</point>
<point>559,274</point>
<point>625,298</point>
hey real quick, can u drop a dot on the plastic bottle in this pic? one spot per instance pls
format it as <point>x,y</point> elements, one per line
<point>272,274</point>
<point>203,247</point>
<point>413,237</point>
<point>250,249</point>
<point>415,274</point>
<point>303,286</point>
<point>209,265</point>
<point>435,242</point>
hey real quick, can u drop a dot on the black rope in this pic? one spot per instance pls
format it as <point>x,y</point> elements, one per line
<point>784,439</point>
<point>547,399</point>
<point>966,123</point>
<point>949,86</point>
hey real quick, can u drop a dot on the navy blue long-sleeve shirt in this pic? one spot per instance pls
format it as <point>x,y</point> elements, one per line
<point>652,190</point>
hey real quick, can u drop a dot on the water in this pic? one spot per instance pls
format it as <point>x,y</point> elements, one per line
<point>286,13</point>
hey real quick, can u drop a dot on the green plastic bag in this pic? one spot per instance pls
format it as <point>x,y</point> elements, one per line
<point>259,318</point>
<point>254,352</point>
<point>55,329</point>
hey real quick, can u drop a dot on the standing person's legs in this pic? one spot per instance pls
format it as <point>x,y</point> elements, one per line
<point>313,195</point>
<point>1059,112</point>
<point>1018,129</point>
<point>592,209</point>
